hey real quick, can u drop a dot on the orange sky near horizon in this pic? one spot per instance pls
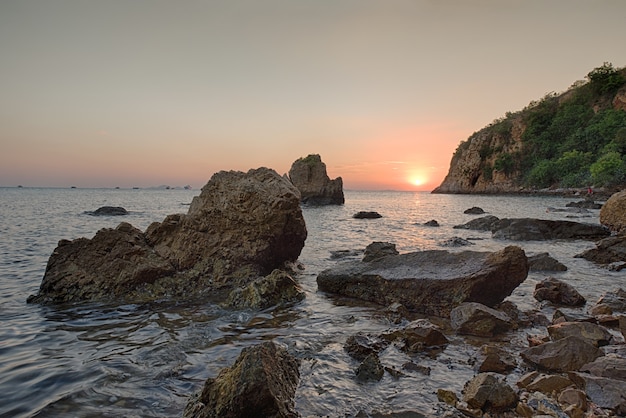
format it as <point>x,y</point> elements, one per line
<point>150,92</point>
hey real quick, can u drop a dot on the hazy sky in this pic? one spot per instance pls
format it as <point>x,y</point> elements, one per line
<point>148,92</point>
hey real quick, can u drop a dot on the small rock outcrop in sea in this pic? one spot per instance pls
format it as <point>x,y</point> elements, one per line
<point>608,250</point>
<point>474,210</point>
<point>241,226</point>
<point>484,223</point>
<point>613,213</point>
<point>544,262</point>
<point>367,215</point>
<point>261,383</point>
<point>431,282</point>
<point>528,229</point>
<point>309,175</point>
<point>585,204</point>
<point>109,211</point>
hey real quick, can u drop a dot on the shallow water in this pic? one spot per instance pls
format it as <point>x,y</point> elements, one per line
<point>145,360</point>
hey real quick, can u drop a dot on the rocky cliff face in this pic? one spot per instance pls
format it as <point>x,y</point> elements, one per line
<point>472,166</point>
<point>316,188</point>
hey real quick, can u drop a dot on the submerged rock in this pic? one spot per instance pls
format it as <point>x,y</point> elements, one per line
<point>242,226</point>
<point>316,188</point>
<point>474,210</point>
<point>367,215</point>
<point>484,223</point>
<point>431,282</point>
<point>261,383</point>
<point>608,250</point>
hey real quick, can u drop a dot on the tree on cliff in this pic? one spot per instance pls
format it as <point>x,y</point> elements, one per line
<point>573,139</point>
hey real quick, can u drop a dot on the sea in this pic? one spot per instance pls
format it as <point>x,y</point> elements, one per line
<point>145,360</point>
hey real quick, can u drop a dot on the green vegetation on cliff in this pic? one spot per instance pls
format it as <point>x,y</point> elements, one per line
<point>573,139</point>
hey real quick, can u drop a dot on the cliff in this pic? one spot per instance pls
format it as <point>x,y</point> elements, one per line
<point>573,139</point>
<point>316,188</point>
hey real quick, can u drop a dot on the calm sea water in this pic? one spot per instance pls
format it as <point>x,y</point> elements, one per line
<point>145,360</point>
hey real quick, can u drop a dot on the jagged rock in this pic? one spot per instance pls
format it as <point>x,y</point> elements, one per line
<point>241,226</point>
<point>543,262</point>
<point>606,393</point>
<point>109,211</point>
<point>485,391</point>
<point>361,346</point>
<point>367,215</point>
<point>309,175</point>
<point>416,336</point>
<point>447,396</point>
<point>431,282</point>
<point>609,366</point>
<point>571,315</point>
<point>432,222</point>
<point>528,229</point>
<point>592,333</point>
<point>545,406</point>
<point>277,288</point>
<point>558,292</point>
<point>613,213</point>
<point>378,250</point>
<point>608,250</point>
<point>484,223</point>
<point>474,210</point>
<point>370,369</point>
<point>566,354</point>
<point>611,302</point>
<point>261,383</point>
<point>494,359</point>
<point>549,383</point>
<point>471,318</point>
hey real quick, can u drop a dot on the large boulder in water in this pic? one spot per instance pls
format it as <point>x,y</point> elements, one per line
<point>613,212</point>
<point>242,226</point>
<point>316,188</point>
<point>431,282</point>
<point>261,383</point>
<point>528,229</point>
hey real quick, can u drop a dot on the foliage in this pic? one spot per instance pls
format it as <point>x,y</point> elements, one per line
<point>609,169</point>
<point>504,163</point>
<point>606,79</point>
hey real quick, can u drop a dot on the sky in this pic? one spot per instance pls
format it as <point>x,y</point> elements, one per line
<point>141,93</point>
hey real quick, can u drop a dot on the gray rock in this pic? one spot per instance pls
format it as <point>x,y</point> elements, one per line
<point>528,229</point>
<point>456,242</point>
<point>606,393</point>
<point>370,369</point>
<point>474,210</point>
<point>543,262</point>
<point>585,204</point>
<point>261,383</point>
<point>109,211</point>
<point>484,223</point>
<point>309,175</point>
<point>367,215</point>
<point>431,282</point>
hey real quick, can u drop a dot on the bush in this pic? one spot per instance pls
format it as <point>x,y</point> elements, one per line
<point>605,79</point>
<point>608,170</point>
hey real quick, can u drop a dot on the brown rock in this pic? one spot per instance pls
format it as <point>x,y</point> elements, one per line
<point>472,318</point>
<point>378,250</point>
<point>543,262</point>
<point>241,226</point>
<point>558,292</point>
<point>592,333</point>
<point>277,288</point>
<point>309,175</point>
<point>566,354</point>
<point>417,336</point>
<point>431,282</point>
<point>573,396</point>
<point>485,391</point>
<point>494,359</point>
<point>360,346</point>
<point>613,212</point>
<point>549,383</point>
<point>261,383</point>
<point>609,251</point>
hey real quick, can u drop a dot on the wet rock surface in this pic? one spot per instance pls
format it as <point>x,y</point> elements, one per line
<point>261,383</point>
<point>420,282</point>
<point>528,229</point>
<point>242,226</point>
<point>558,292</point>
